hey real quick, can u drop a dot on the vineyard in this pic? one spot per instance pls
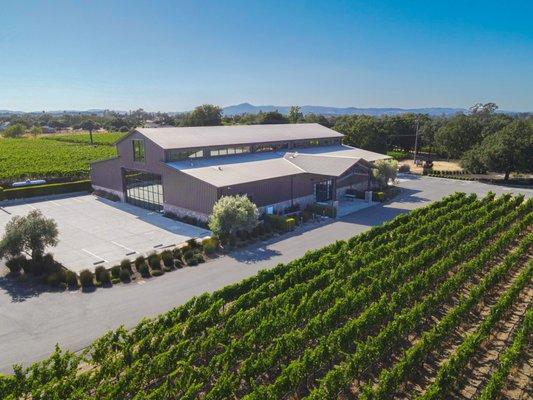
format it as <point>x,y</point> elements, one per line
<point>435,304</point>
<point>25,158</point>
<point>106,138</point>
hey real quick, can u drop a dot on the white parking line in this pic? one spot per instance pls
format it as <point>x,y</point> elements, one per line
<point>29,205</point>
<point>124,247</point>
<point>94,255</point>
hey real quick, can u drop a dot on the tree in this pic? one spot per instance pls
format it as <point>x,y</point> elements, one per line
<point>14,131</point>
<point>204,115</point>
<point>384,171</point>
<point>31,233</point>
<point>232,214</point>
<point>90,125</point>
<point>483,110</point>
<point>295,115</point>
<point>362,131</point>
<point>458,135</point>
<point>271,117</point>
<point>510,149</point>
<point>36,130</point>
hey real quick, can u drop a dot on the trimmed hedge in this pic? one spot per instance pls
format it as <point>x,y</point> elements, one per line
<point>45,190</point>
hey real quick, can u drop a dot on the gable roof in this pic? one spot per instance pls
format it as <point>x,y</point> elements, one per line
<point>204,136</point>
<point>251,167</point>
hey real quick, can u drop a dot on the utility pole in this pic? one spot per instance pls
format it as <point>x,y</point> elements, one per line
<point>416,141</point>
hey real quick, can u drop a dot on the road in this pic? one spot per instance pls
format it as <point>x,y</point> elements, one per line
<point>33,321</point>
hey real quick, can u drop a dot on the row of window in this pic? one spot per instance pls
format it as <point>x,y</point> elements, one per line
<point>139,153</point>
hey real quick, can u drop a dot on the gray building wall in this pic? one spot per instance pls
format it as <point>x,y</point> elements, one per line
<point>107,175</point>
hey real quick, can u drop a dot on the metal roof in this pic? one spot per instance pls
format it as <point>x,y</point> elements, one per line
<point>237,169</point>
<point>204,136</point>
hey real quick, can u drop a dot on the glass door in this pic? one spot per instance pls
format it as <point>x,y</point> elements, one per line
<point>324,191</point>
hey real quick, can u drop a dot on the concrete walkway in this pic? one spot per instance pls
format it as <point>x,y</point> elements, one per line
<point>32,321</point>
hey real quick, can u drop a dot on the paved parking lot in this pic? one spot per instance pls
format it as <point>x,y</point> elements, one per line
<point>95,231</point>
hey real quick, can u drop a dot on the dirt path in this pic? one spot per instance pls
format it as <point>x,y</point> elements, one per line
<point>486,360</point>
<point>519,386</point>
<point>425,376</point>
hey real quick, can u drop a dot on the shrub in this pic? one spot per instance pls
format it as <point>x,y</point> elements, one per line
<point>378,196</point>
<point>56,278</point>
<point>192,261</point>
<point>126,263</point>
<point>176,252</point>
<point>72,279</point>
<point>398,154</point>
<point>155,262</point>
<point>210,245</point>
<point>46,190</point>
<point>98,272</point>
<point>178,263</point>
<point>15,264</point>
<point>158,272</point>
<point>49,265</point>
<point>322,209</point>
<point>290,223</point>
<point>144,270</point>
<point>199,258</point>
<point>187,255</point>
<point>193,243</point>
<point>124,275</point>
<point>167,258</point>
<point>232,214</point>
<point>404,168</point>
<point>105,277</point>
<point>86,279</point>
<point>140,261</point>
<point>115,271</point>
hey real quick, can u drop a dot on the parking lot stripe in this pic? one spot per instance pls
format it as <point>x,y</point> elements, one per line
<point>94,255</point>
<point>124,247</point>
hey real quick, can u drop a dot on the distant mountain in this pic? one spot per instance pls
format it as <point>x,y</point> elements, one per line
<point>247,108</point>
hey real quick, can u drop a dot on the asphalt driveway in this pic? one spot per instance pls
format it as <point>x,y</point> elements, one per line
<point>32,321</point>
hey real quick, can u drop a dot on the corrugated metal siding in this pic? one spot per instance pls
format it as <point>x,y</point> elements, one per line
<point>272,191</point>
<point>185,191</point>
<point>154,154</point>
<point>107,174</point>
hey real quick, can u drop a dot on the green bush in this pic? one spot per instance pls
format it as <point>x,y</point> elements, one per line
<point>157,272</point>
<point>199,258</point>
<point>15,264</point>
<point>98,272</point>
<point>126,263</point>
<point>155,262</point>
<point>167,258</point>
<point>105,277</point>
<point>178,263</point>
<point>72,280</point>
<point>378,196</point>
<point>187,255</point>
<point>56,279</point>
<point>144,270</point>
<point>404,168</point>
<point>176,252</point>
<point>322,209</point>
<point>290,223</point>
<point>210,245</point>
<point>45,190</point>
<point>124,275</point>
<point>115,271</point>
<point>86,279</point>
<point>193,243</point>
<point>398,154</point>
<point>139,262</point>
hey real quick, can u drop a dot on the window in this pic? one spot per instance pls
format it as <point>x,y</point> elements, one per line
<point>144,189</point>
<point>178,155</point>
<point>270,147</point>
<point>229,151</point>
<point>138,150</point>
<point>307,143</point>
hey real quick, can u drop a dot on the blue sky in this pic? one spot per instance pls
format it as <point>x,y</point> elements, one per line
<point>173,55</point>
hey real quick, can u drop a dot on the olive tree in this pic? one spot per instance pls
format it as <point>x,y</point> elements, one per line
<point>384,171</point>
<point>232,214</point>
<point>31,233</point>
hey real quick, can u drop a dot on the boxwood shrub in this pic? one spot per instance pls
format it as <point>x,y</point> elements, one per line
<point>86,279</point>
<point>144,270</point>
<point>72,280</point>
<point>167,258</point>
<point>139,261</point>
<point>124,275</point>
<point>126,263</point>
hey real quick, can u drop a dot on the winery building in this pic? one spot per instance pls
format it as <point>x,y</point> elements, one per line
<point>186,170</point>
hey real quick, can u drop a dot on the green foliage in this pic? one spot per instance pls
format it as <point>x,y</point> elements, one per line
<point>507,150</point>
<point>204,115</point>
<point>167,258</point>
<point>124,275</point>
<point>14,131</point>
<point>30,158</point>
<point>312,327</point>
<point>144,270</point>
<point>385,171</point>
<point>459,134</point>
<point>295,115</point>
<point>362,131</point>
<point>139,261</point>
<point>398,154</point>
<point>126,264</point>
<point>321,209</point>
<point>72,280</point>
<point>86,279</point>
<point>104,139</point>
<point>271,117</point>
<point>280,223</point>
<point>210,245</point>
<point>31,233</point>
<point>232,214</point>
<point>45,190</point>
